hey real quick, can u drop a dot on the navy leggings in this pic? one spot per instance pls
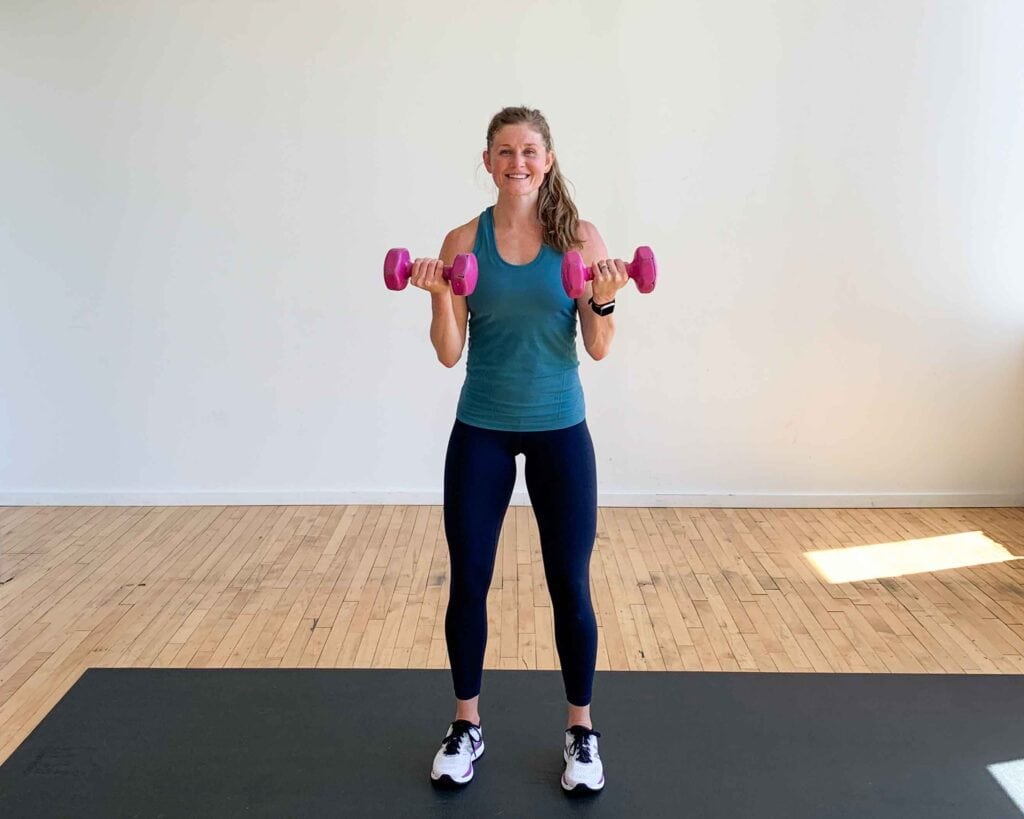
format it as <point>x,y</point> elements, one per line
<point>561,478</point>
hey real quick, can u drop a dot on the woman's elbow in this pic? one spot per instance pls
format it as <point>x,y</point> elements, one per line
<point>597,353</point>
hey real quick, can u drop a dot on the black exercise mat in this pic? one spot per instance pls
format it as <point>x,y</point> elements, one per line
<point>298,742</point>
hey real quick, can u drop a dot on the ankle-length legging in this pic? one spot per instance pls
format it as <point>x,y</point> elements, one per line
<point>561,478</point>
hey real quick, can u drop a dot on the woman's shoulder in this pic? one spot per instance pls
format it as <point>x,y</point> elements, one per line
<point>463,238</point>
<point>593,244</point>
<point>586,229</point>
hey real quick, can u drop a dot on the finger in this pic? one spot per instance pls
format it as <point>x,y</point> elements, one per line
<point>615,272</point>
<point>423,271</point>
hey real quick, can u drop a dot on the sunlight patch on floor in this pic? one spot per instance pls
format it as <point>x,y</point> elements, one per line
<point>931,554</point>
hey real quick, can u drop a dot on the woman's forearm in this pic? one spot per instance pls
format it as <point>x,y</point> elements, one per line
<point>444,329</point>
<point>601,337</point>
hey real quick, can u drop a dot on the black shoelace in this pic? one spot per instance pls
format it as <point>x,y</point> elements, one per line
<point>460,729</point>
<point>579,744</point>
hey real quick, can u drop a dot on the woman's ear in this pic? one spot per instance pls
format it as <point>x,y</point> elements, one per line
<point>551,161</point>
<point>487,160</point>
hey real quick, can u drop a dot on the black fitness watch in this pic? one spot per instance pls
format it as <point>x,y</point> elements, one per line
<point>602,309</point>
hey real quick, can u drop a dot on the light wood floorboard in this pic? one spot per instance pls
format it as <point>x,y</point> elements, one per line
<point>367,586</point>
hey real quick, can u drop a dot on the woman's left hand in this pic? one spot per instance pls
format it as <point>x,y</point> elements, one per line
<point>609,275</point>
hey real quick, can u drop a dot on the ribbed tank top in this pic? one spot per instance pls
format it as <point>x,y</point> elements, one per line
<point>522,371</point>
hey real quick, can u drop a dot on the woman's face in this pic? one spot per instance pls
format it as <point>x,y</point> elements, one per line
<point>517,160</point>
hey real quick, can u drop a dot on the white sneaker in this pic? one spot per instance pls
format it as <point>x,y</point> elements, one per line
<point>453,763</point>
<point>583,769</point>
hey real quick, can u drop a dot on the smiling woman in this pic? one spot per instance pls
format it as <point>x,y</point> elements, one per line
<point>522,395</point>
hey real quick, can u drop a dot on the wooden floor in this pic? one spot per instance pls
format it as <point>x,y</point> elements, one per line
<point>367,586</point>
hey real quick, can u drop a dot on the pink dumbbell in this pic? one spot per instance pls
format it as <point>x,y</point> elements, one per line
<point>643,270</point>
<point>461,274</point>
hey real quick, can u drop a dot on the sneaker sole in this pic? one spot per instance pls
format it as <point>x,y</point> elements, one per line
<point>445,782</point>
<point>580,789</point>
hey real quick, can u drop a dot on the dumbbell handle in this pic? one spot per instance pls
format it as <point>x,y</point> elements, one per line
<point>643,270</point>
<point>462,274</point>
<point>401,264</point>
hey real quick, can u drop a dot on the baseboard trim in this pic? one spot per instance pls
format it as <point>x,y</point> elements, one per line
<point>609,499</point>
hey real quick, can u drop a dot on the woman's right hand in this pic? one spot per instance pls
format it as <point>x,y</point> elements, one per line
<point>428,274</point>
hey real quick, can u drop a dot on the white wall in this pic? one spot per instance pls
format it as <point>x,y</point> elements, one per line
<point>197,198</point>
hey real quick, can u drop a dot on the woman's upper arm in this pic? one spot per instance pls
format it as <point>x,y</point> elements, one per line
<point>593,245</point>
<point>459,240</point>
<point>593,250</point>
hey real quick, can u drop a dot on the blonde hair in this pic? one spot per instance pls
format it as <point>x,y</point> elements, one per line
<point>555,208</point>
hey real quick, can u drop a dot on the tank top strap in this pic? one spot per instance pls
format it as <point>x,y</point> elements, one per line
<point>484,246</point>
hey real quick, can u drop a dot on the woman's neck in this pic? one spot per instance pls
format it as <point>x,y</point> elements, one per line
<point>516,213</point>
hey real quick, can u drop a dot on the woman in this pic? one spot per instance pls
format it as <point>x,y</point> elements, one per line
<point>522,394</point>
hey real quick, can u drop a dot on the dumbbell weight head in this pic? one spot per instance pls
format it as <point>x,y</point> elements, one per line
<point>575,274</point>
<point>462,274</point>
<point>397,269</point>
<point>644,269</point>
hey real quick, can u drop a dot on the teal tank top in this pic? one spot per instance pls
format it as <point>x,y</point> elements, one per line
<point>522,371</point>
